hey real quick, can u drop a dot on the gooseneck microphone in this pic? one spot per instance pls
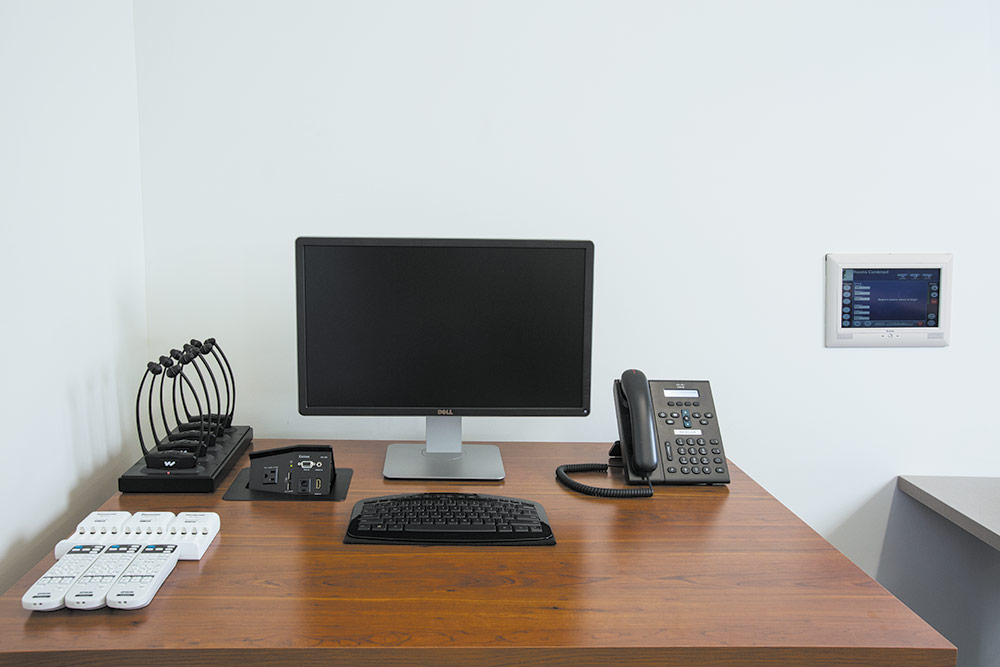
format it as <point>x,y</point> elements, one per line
<point>179,439</point>
<point>158,459</point>
<point>154,369</point>
<point>214,419</point>
<point>209,348</point>
<point>201,350</point>
<point>232,377</point>
<point>184,359</point>
<point>166,362</point>
<point>176,438</point>
<point>193,422</point>
<point>176,354</point>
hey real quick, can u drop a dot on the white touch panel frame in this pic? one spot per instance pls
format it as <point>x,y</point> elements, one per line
<point>844,328</point>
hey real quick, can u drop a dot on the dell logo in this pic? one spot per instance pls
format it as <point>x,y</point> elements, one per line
<point>445,412</point>
<point>168,464</point>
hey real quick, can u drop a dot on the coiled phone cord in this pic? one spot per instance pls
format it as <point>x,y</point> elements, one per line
<point>562,474</point>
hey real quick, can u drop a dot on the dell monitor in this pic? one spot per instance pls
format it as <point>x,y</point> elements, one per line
<point>444,328</point>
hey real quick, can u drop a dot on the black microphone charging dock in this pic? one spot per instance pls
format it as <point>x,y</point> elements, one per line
<point>201,447</point>
<point>203,478</point>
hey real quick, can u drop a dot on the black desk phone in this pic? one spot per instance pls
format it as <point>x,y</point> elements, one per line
<point>668,431</point>
<point>668,434</point>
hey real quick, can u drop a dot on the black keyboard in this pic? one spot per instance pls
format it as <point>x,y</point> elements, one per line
<point>448,518</point>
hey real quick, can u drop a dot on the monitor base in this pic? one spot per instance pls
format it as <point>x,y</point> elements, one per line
<point>472,462</point>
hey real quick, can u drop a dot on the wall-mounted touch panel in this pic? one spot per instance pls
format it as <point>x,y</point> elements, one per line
<point>888,300</point>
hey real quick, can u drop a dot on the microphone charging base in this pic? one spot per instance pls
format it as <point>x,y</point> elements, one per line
<point>203,478</point>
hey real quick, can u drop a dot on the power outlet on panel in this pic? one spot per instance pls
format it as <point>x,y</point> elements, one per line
<point>271,475</point>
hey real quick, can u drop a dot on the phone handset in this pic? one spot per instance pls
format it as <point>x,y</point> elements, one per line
<point>638,402</point>
<point>632,397</point>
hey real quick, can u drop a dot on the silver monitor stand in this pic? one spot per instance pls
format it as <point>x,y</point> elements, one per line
<point>443,456</point>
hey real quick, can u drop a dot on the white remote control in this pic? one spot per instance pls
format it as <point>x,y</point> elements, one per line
<point>141,580</point>
<point>91,589</point>
<point>49,592</point>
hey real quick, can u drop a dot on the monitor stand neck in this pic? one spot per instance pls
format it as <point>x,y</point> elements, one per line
<point>443,456</point>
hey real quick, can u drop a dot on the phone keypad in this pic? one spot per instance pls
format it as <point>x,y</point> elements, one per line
<point>688,434</point>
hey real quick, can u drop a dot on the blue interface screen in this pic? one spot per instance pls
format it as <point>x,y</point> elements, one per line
<point>890,298</point>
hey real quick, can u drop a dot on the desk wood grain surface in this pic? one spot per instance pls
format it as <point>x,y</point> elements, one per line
<point>721,575</point>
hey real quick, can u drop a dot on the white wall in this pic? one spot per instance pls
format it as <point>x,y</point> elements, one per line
<point>714,152</point>
<point>72,287</point>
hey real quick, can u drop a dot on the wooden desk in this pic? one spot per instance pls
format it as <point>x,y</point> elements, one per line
<point>693,576</point>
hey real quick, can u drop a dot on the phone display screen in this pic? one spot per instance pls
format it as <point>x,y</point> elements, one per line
<point>680,393</point>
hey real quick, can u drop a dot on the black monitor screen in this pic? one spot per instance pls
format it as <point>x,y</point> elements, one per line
<point>462,327</point>
<point>890,298</point>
